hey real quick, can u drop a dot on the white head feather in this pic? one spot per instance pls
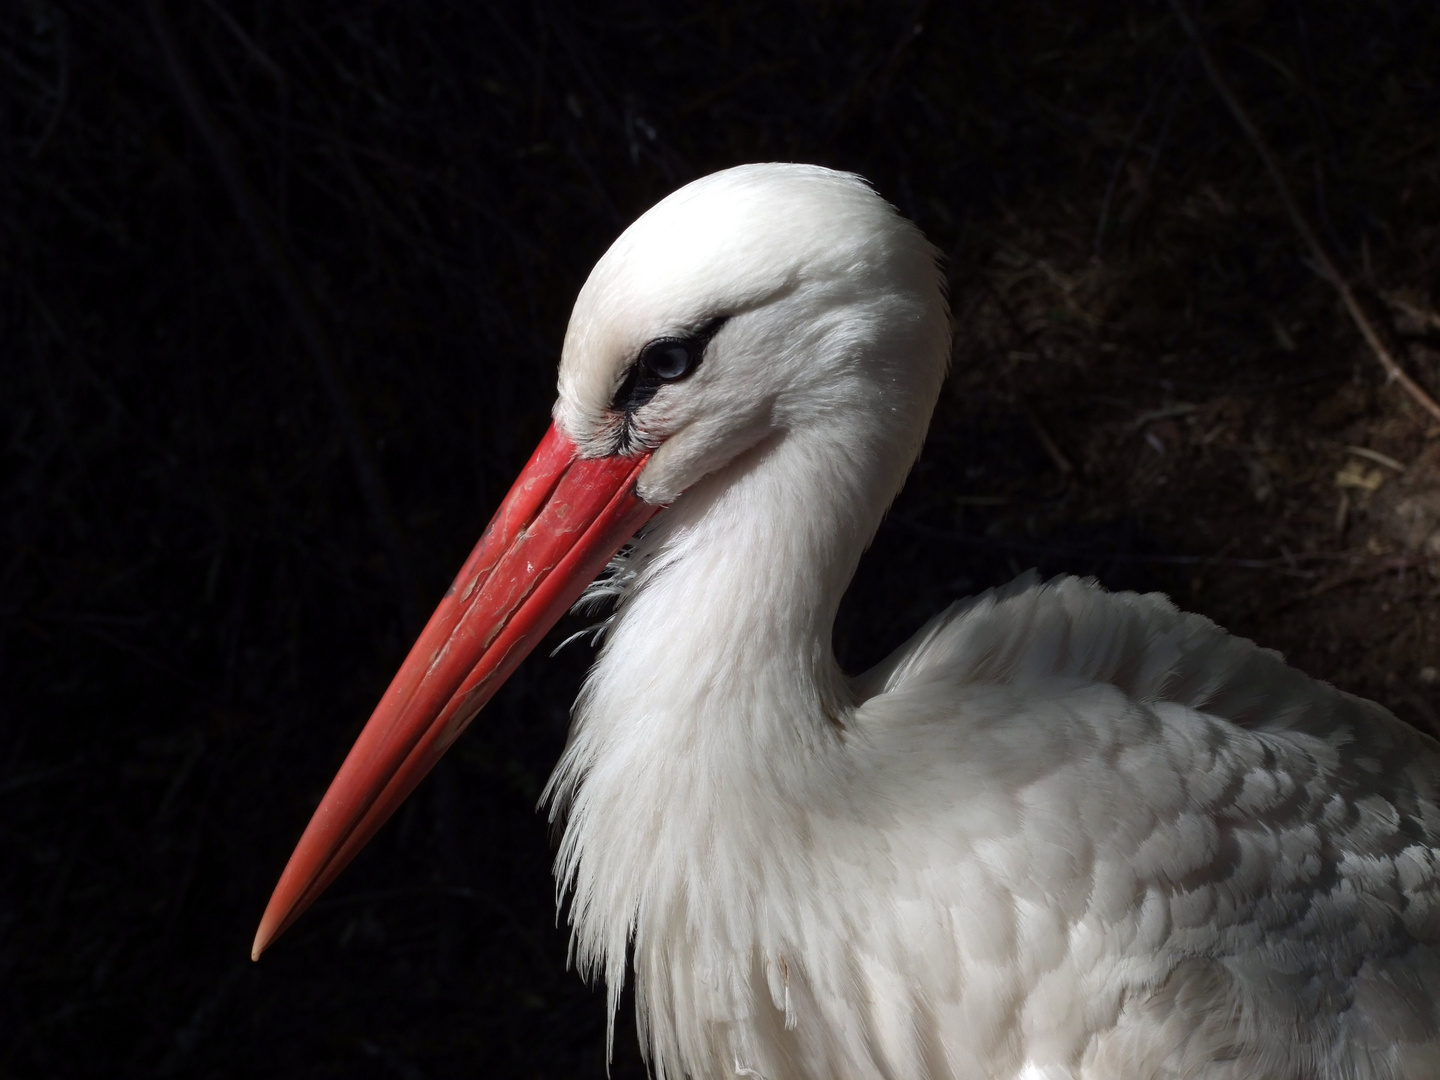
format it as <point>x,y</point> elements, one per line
<point>835,312</point>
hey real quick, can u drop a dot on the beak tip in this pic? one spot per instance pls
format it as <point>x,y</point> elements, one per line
<point>264,936</point>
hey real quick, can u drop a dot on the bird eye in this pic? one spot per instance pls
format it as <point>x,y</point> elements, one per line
<point>669,358</point>
<point>664,360</point>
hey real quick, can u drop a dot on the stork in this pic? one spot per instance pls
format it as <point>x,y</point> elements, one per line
<point>1061,833</point>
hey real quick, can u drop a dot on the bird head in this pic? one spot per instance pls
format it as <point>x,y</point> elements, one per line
<point>753,305</point>
<point>752,302</point>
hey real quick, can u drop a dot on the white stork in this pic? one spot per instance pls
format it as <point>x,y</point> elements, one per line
<point>1060,833</point>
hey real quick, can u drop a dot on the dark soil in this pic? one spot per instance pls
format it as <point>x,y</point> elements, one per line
<point>281,307</point>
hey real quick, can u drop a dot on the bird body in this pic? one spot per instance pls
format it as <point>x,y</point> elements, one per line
<point>1061,834</point>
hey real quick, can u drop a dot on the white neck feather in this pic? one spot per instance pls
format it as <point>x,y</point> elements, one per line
<point>712,723</point>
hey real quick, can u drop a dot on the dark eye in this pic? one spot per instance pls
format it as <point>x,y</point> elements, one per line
<point>670,358</point>
<point>664,360</point>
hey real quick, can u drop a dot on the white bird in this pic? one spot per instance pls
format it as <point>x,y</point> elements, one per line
<point>1060,833</point>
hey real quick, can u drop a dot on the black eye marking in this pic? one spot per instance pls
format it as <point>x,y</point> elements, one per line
<point>664,360</point>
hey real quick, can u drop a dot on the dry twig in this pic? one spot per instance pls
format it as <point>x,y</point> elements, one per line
<point>1365,572</point>
<point>1321,257</point>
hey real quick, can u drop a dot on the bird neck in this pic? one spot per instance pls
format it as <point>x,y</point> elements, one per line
<point>712,724</point>
<point>717,703</point>
<point>721,647</point>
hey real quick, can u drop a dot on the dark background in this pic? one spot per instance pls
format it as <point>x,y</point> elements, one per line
<point>283,291</point>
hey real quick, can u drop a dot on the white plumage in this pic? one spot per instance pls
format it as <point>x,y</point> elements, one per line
<point>1060,834</point>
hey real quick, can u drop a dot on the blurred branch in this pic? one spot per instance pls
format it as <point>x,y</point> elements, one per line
<point>62,85</point>
<point>270,246</point>
<point>1321,257</point>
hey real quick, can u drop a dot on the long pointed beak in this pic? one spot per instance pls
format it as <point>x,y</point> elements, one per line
<point>560,524</point>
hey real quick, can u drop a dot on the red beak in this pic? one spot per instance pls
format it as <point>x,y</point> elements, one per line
<point>564,518</point>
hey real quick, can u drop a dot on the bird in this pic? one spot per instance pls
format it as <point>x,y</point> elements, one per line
<point>1061,833</point>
